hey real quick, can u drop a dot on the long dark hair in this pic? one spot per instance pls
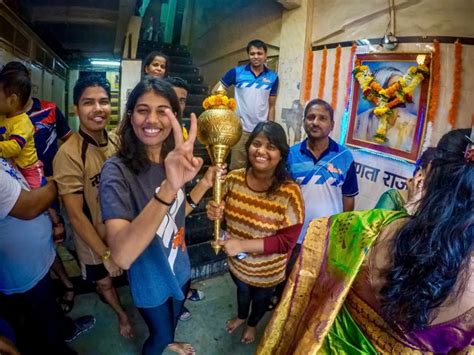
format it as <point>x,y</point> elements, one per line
<point>431,252</point>
<point>276,135</point>
<point>131,150</point>
<point>425,159</point>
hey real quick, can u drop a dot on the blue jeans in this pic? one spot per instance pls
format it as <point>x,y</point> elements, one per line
<point>161,322</point>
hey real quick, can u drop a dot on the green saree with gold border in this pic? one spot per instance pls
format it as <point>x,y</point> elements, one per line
<point>311,317</point>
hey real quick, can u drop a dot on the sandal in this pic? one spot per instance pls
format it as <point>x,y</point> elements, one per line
<point>67,305</point>
<point>196,295</point>
<point>185,314</point>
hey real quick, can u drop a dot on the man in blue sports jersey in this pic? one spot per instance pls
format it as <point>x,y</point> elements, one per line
<point>256,88</point>
<point>324,169</point>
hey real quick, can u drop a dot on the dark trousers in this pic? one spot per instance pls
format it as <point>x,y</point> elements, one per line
<point>37,319</point>
<point>289,267</point>
<point>161,322</point>
<point>256,298</point>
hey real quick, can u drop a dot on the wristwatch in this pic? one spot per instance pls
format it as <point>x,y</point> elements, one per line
<point>106,256</point>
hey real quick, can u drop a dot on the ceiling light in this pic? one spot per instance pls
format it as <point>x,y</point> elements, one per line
<point>108,63</point>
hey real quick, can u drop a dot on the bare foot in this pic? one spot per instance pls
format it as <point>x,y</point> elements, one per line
<point>233,324</point>
<point>125,326</point>
<point>182,348</point>
<point>248,335</point>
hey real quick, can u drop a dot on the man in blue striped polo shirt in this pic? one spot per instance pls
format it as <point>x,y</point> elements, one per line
<point>256,89</point>
<point>324,169</point>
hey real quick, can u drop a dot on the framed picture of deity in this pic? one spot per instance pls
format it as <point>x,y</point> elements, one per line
<point>389,103</point>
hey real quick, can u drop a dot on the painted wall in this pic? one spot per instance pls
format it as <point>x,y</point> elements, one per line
<point>369,20</point>
<point>342,20</point>
<point>44,85</point>
<point>219,34</point>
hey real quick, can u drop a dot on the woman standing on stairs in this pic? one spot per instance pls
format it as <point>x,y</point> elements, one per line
<point>144,207</point>
<point>156,64</point>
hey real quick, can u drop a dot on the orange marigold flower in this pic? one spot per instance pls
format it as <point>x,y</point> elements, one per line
<point>376,86</point>
<point>394,103</point>
<point>232,104</point>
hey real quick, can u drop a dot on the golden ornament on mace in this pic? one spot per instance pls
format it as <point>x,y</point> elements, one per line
<point>219,129</point>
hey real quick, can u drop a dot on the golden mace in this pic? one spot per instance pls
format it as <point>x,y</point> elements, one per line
<point>219,129</point>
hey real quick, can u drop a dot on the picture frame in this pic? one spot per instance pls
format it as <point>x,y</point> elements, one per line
<point>405,132</point>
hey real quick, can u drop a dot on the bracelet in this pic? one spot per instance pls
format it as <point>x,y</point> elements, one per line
<point>190,201</point>
<point>163,202</point>
<point>106,255</point>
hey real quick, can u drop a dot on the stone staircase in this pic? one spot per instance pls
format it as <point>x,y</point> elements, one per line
<point>204,262</point>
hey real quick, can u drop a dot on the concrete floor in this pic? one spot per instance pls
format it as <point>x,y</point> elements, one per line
<point>205,330</point>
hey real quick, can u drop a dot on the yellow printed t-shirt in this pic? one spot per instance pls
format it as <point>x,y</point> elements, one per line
<point>18,140</point>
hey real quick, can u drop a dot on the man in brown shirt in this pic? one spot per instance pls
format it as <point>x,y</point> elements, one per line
<point>77,167</point>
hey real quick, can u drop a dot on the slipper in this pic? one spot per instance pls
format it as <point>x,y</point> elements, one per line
<point>196,295</point>
<point>185,314</point>
<point>67,305</point>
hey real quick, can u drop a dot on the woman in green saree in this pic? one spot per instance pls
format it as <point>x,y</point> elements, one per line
<point>382,281</point>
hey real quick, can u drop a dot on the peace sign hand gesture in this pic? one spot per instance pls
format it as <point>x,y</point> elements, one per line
<point>180,164</point>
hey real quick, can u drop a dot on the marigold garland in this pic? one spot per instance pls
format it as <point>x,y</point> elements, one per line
<point>386,99</point>
<point>435,76</point>
<point>308,76</point>
<point>219,101</point>
<point>453,111</point>
<point>335,79</point>
<point>349,74</point>
<point>322,75</point>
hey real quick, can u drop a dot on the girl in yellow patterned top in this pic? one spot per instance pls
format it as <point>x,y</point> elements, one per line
<point>263,210</point>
